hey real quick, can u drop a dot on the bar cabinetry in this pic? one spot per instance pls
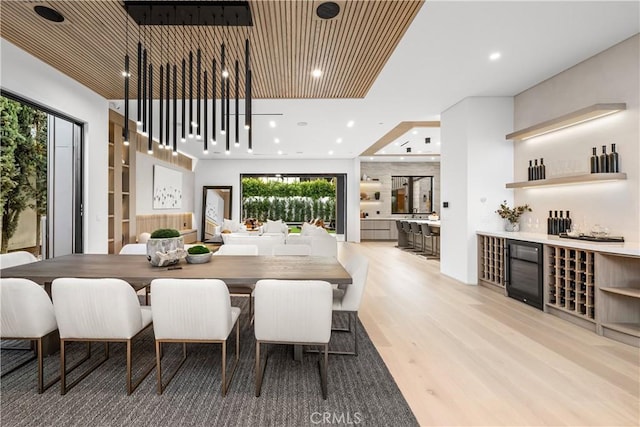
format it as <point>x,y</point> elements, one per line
<point>491,261</point>
<point>378,229</point>
<point>618,309</point>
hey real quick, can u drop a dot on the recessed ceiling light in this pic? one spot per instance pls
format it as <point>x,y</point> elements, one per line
<point>339,141</point>
<point>276,140</point>
<point>279,151</point>
<point>316,73</point>
<point>438,143</point>
<point>302,123</point>
<point>397,144</point>
<point>401,158</point>
<point>350,123</point>
<point>49,14</point>
<point>495,56</point>
<point>272,124</point>
<point>415,132</point>
<point>330,152</point>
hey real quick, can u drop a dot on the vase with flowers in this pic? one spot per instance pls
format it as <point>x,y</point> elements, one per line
<point>512,215</point>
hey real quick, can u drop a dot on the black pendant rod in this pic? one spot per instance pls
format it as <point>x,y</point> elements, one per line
<point>190,94</point>
<point>228,116</point>
<point>248,88</point>
<point>125,133</point>
<point>199,98</point>
<point>139,82</point>
<point>150,99</point>
<point>213,105</point>
<point>175,108</point>
<point>167,107</point>
<point>184,103</point>
<point>237,140</point>
<point>206,128</point>
<point>247,119</point>
<point>145,72</point>
<point>222,89</point>
<point>161,110</point>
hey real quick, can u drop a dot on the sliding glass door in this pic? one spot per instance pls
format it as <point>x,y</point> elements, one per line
<point>41,161</point>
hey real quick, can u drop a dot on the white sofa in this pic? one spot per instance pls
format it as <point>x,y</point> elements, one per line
<point>265,243</point>
<point>326,245</point>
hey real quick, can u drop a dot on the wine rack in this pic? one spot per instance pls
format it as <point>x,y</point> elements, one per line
<point>491,266</point>
<point>571,281</point>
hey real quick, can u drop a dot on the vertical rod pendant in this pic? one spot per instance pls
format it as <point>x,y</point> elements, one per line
<point>161,110</point>
<point>145,72</point>
<point>199,98</point>
<point>228,116</point>
<point>175,109</point>
<point>248,88</point>
<point>222,90</point>
<point>167,107</point>
<point>150,101</point>
<point>206,128</point>
<point>190,94</point>
<point>139,82</point>
<point>237,140</point>
<point>247,119</point>
<point>125,131</point>
<point>184,103</point>
<point>213,104</point>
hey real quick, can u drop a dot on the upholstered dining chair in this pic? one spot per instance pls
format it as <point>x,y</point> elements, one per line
<point>134,249</point>
<point>105,310</point>
<point>27,314</point>
<point>297,250</point>
<point>243,290</point>
<point>292,312</point>
<point>13,259</point>
<point>348,300</point>
<point>193,310</point>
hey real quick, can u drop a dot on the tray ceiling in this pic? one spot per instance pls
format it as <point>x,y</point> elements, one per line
<point>288,41</point>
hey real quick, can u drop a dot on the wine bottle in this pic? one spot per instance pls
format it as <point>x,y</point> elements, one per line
<point>550,223</point>
<point>554,225</point>
<point>535,169</point>
<point>613,166</point>
<point>604,160</point>
<point>543,170</point>
<point>561,224</point>
<point>567,223</point>
<point>530,171</point>
<point>595,166</point>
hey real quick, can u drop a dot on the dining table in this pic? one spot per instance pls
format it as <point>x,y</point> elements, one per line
<point>138,272</point>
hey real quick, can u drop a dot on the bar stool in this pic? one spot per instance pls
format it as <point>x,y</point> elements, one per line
<point>428,232</point>
<point>406,229</point>
<point>402,236</point>
<point>416,232</point>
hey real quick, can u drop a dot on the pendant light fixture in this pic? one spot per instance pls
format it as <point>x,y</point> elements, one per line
<point>126,74</point>
<point>185,15</point>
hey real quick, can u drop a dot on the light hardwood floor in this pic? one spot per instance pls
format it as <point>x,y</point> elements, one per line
<point>469,356</point>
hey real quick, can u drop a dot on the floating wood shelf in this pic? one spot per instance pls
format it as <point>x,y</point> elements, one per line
<point>571,179</point>
<point>629,292</point>
<point>583,115</point>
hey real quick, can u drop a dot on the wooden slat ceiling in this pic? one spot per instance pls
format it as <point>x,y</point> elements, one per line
<point>287,42</point>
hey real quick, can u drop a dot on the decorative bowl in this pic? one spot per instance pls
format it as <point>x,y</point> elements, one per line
<point>199,258</point>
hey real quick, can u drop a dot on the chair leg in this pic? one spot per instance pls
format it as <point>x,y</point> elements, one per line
<point>29,360</point>
<point>131,387</point>
<point>227,383</point>
<point>324,362</point>
<point>258,370</point>
<point>159,355</point>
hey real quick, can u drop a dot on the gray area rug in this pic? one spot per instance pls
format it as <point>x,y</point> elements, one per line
<point>361,389</point>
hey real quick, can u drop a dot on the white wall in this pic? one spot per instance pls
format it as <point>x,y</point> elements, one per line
<point>28,77</point>
<point>227,172</point>
<point>476,162</point>
<point>144,186</point>
<point>611,76</point>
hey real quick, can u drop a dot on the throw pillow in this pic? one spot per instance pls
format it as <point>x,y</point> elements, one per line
<point>273,226</point>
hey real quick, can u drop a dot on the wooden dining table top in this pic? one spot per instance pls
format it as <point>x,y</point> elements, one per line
<point>135,269</point>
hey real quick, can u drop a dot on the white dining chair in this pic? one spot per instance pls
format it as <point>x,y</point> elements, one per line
<point>242,290</point>
<point>104,310</point>
<point>293,312</point>
<point>295,250</point>
<point>134,249</point>
<point>348,299</point>
<point>26,314</point>
<point>193,310</point>
<point>13,259</point>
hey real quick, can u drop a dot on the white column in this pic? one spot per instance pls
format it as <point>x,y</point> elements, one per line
<point>476,163</point>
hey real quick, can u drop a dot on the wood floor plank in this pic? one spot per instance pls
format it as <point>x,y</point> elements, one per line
<point>467,355</point>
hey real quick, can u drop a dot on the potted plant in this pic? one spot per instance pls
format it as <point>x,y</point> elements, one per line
<point>165,247</point>
<point>198,254</point>
<point>512,216</point>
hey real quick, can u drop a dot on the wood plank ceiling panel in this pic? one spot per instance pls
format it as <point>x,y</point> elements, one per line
<point>287,42</point>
